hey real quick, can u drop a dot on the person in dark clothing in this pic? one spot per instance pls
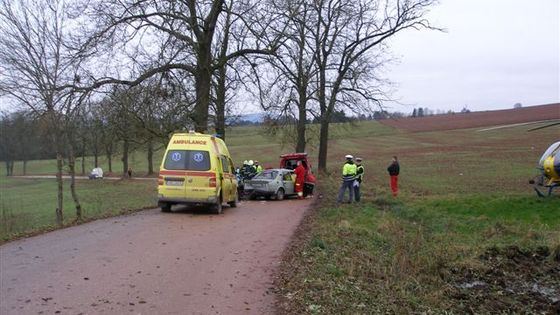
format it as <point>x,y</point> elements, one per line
<point>359,178</point>
<point>394,170</point>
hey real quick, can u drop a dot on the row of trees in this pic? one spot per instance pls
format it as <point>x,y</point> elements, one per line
<point>170,64</point>
<point>21,139</point>
<point>122,121</point>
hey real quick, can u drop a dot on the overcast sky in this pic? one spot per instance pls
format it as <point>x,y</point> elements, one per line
<point>494,54</point>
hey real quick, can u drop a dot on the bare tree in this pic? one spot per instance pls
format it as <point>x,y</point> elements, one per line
<point>73,122</point>
<point>93,122</point>
<point>350,41</point>
<point>162,106</point>
<point>34,64</point>
<point>8,142</point>
<point>294,65</point>
<point>118,108</point>
<point>184,32</point>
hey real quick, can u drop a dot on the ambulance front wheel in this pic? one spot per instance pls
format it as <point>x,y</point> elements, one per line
<point>165,207</point>
<point>233,203</point>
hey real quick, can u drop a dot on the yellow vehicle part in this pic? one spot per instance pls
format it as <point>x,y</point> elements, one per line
<point>549,171</point>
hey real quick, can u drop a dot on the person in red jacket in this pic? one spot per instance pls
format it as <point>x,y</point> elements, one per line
<point>300,179</point>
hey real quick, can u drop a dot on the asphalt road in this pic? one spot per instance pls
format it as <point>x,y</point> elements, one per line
<point>185,262</point>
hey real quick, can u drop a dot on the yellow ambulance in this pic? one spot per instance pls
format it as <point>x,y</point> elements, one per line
<point>196,169</point>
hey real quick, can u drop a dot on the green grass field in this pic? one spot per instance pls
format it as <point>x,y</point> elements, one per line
<point>462,192</point>
<point>28,205</point>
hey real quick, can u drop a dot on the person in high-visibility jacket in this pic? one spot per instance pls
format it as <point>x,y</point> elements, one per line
<point>258,167</point>
<point>359,178</point>
<point>300,179</point>
<point>348,178</point>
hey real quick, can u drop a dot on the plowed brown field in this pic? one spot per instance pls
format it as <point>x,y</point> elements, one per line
<point>477,119</point>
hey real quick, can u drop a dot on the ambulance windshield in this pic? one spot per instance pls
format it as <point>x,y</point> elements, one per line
<point>191,160</point>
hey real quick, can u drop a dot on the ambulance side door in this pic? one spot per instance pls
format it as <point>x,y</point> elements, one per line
<point>233,178</point>
<point>227,179</point>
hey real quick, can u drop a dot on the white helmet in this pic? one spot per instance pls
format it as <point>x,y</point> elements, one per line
<point>348,156</point>
<point>245,162</point>
<point>251,162</point>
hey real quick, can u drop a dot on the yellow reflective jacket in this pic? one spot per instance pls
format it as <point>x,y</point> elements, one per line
<point>359,173</point>
<point>349,171</point>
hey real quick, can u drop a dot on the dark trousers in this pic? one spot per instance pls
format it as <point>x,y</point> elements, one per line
<point>357,192</point>
<point>346,185</point>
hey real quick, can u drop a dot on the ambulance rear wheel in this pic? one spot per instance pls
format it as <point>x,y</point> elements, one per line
<point>165,207</point>
<point>217,208</point>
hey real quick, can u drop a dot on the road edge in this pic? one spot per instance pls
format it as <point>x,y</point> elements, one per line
<point>53,228</point>
<point>299,239</point>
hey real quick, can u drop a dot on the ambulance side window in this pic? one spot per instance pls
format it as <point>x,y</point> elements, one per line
<point>225,165</point>
<point>231,166</point>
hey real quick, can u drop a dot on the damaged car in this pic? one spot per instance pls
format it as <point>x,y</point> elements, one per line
<point>277,183</point>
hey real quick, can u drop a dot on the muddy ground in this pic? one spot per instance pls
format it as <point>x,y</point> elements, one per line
<point>510,280</point>
<point>476,119</point>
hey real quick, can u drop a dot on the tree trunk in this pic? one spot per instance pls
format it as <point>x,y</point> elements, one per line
<point>203,80</point>
<point>221,103</point>
<point>83,165</point>
<point>323,143</point>
<point>150,157</point>
<point>72,168</point>
<point>96,157</point>
<point>125,158</point>
<point>60,196</point>
<point>9,168</point>
<point>83,157</point>
<point>95,150</point>
<point>24,167</point>
<point>302,118</point>
<point>109,153</point>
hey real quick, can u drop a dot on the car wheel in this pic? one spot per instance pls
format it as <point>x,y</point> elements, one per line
<point>280,194</point>
<point>217,208</point>
<point>165,207</point>
<point>233,204</point>
<point>252,196</point>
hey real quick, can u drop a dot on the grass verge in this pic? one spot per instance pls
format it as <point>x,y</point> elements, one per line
<point>27,206</point>
<point>477,253</point>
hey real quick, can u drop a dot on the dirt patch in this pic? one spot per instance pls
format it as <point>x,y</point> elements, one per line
<point>509,279</point>
<point>476,119</point>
